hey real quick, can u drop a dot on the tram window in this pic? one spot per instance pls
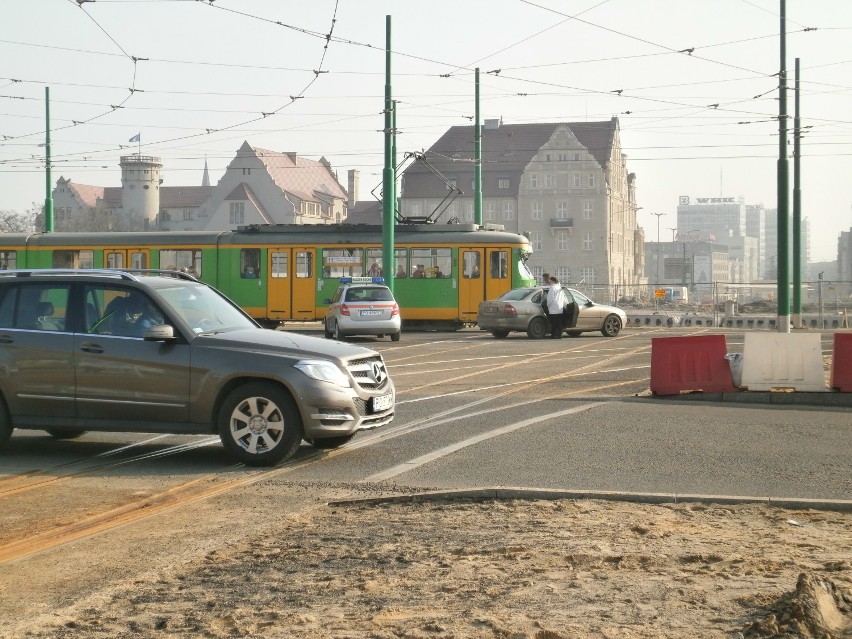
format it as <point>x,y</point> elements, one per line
<point>138,259</point>
<point>374,259</point>
<point>432,263</point>
<point>8,260</point>
<point>346,262</point>
<point>250,263</point>
<point>304,264</point>
<point>279,265</point>
<point>186,260</point>
<point>471,266</point>
<point>114,260</point>
<point>73,259</point>
<point>499,261</point>
<point>400,259</point>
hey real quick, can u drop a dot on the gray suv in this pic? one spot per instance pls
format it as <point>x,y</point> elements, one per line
<point>158,351</point>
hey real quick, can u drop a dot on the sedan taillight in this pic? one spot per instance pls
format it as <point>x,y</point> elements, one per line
<point>344,310</point>
<point>395,310</point>
<point>510,310</point>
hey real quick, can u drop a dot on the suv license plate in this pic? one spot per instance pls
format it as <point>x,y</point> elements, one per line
<point>382,403</point>
<point>363,313</point>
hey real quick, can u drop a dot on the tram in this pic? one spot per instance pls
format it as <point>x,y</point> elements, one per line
<point>289,272</point>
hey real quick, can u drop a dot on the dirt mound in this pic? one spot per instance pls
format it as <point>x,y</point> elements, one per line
<point>817,609</point>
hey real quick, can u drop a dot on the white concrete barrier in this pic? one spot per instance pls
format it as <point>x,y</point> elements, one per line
<point>783,361</point>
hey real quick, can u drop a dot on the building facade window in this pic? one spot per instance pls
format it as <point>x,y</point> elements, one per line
<point>187,214</point>
<point>587,241</point>
<point>489,210</point>
<point>502,183</point>
<point>535,240</point>
<point>591,179</point>
<point>237,212</point>
<point>562,241</point>
<point>562,210</point>
<point>548,180</point>
<point>587,209</point>
<point>508,211</point>
<point>564,275</point>
<point>578,180</point>
<point>588,274</point>
<point>534,181</point>
<point>536,210</point>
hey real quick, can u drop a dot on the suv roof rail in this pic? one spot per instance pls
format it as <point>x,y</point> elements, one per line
<point>125,274</point>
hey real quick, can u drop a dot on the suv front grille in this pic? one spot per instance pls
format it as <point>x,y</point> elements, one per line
<point>367,370</point>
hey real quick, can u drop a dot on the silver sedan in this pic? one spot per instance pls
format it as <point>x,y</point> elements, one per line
<point>521,310</point>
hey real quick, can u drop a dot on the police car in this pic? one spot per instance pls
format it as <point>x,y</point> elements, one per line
<point>362,306</point>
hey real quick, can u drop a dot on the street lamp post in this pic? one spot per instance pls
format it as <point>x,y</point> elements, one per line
<point>657,282</point>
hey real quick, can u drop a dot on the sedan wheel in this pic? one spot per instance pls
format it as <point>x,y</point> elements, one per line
<point>259,424</point>
<point>326,330</point>
<point>395,336</point>
<point>335,330</point>
<point>611,326</point>
<point>537,328</point>
<point>501,334</point>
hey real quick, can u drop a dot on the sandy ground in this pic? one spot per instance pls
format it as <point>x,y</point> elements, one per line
<point>494,569</point>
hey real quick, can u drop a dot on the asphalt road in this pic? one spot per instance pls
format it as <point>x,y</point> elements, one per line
<point>474,411</point>
<point>574,414</point>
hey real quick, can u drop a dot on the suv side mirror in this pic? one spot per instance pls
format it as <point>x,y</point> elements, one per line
<point>159,333</point>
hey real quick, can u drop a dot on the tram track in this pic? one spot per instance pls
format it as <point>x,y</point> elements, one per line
<point>210,485</point>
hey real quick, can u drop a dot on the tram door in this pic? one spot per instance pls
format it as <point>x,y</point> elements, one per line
<point>471,283</point>
<point>133,258</point>
<point>292,283</point>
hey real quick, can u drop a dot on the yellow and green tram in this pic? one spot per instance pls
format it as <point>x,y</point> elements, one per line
<point>288,272</point>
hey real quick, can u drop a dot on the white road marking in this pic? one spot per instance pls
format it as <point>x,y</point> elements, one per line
<point>404,467</point>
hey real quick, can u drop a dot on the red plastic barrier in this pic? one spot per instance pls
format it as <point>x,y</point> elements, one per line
<point>841,364</point>
<point>686,364</point>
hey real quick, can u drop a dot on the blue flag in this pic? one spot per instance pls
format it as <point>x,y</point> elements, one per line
<point>136,137</point>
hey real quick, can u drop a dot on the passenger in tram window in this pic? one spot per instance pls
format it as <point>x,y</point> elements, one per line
<point>249,273</point>
<point>375,270</point>
<point>475,271</point>
<point>400,272</point>
<point>419,272</point>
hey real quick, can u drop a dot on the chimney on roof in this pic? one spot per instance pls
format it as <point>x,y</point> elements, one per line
<point>291,155</point>
<point>354,183</point>
<point>493,124</point>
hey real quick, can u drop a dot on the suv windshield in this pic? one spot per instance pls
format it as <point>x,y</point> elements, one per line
<point>203,308</point>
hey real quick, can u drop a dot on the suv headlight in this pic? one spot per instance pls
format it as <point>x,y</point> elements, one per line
<point>324,371</point>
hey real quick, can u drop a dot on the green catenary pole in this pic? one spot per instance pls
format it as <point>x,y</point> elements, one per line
<point>477,167</point>
<point>388,181</point>
<point>48,187</point>
<point>797,209</point>
<point>783,186</point>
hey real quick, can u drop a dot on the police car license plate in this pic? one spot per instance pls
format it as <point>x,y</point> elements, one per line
<point>365,313</point>
<point>382,403</point>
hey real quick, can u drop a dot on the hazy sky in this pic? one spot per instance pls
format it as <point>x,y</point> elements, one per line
<point>693,83</point>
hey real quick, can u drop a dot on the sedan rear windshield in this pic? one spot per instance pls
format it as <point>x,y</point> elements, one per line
<point>516,295</point>
<point>369,294</point>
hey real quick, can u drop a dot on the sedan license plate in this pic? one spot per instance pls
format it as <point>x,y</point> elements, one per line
<point>370,313</point>
<point>382,403</point>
